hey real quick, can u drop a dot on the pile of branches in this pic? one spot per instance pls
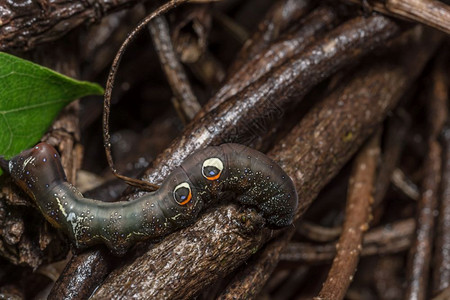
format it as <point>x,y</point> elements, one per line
<point>349,97</point>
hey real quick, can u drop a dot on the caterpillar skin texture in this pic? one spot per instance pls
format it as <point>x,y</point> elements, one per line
<point>254,179</point>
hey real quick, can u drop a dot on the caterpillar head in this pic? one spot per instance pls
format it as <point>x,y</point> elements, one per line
<point>35,170</point>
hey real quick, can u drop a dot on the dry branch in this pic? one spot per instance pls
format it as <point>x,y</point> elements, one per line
<point>433,13</point>
<point>184,100</point>
<point>247,283</point>
<point>311,28</point>
<point>441,276</point>
<point>25,24</point>
<point>357,218</point>
<point>278,19</point>
<point>439,91</point>
<point>378,241</point>
<point>421,250</point>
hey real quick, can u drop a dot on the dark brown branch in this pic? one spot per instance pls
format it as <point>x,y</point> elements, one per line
<point>318,233</point>
<point>277,19</point>
<point>81,275</point>
<point>248,283</point>
<point>217,243</point>
<point>397,128</point>
<point>25,24</point>
<point>433,13</point>
<point>144,185</point>
<point>184,100</point>
<point>421,251</point>
<point>377,241</point>
<point>441,276</point>
<point>262,63</point>
<point>357,217</point>
<point>440,95</point>
<point>420,256</point>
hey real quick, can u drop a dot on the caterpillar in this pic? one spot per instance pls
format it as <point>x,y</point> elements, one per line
<point>204,176</point>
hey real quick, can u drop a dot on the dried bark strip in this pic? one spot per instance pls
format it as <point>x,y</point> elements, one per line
<point>433,13</point>
<point>420,255</point>
<point>319,146</point>
<point>277,19</point>
<point>357,218</point>
<point>273,56</point>
<point>389,239</point>
<point>184,100</point>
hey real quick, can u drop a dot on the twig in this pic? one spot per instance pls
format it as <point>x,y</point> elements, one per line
<point>405,185</point>
<point>441,276</point>
<point>433,13</point>
<point>318,233</point>
<point>397,128</point>
<point>389,239</point>
<point>440,96</point>
<point>421,251</point>
<point>144,185</point>
<point>357,218</point>
<point>278,18</point>
<point>184,100</point>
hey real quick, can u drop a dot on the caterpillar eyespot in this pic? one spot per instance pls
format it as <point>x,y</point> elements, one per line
<point>254,178</point>
<point>182,193</point>
<point>212,168</point>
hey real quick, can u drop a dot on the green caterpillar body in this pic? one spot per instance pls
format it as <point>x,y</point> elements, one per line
<point>254,178</point>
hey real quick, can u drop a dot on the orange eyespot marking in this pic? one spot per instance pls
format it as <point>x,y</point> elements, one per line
<point>188,198</point>
<point>212,168</point>
<point>214,177</point>
<point>182,193</point>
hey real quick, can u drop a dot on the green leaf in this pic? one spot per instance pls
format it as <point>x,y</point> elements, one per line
<point>31,97</point>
